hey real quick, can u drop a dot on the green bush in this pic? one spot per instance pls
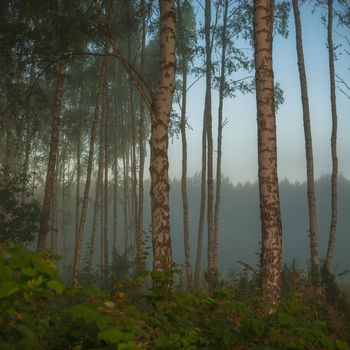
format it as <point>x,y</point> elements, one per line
<point>28,283</point>
<point>36,313</point>
<point>19,222</point>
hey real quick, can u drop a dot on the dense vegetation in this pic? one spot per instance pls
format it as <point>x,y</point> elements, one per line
<point>38,312</point>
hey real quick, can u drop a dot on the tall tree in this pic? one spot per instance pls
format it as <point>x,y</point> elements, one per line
<point>161,108</point>
<point>198,265</point>
<point>50,175</point>
<point>333,226</point>
<point>308,147</point>
<point>212,268</point>
<point>140,264</point>
<point>220,127</point>
<point>184,56</point>
<point>267,153</point>
<point>105,188</point>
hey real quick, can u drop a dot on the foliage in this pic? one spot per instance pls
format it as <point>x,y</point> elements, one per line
<point>28,283</point>
<point>19,221</point>
<point>133,318</point>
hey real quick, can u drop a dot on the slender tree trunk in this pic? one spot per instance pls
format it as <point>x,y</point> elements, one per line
<point>102,206</point>
<point>115,205</point>
<point>197,271</point>
<point>79,239</point>
<point>106,208</point>
<point>45,211</point>
<point>135,206</point>
<point>78,155</point>
<point>8,150</point>
<point>25,166</point>
<point>333,226</point>
<point>267,153</point>
<point>142,140</point>
<point>115,190</point>
<point>212,268</point>
<point>55,193</point>
<point>220,127</point>
<point>97,204</point>
<point>186,228</point>
<point>162,103</point>
<point>308,148</point>
<point>125,191</point>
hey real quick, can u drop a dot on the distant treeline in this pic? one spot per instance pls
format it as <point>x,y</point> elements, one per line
<point>240,221</point>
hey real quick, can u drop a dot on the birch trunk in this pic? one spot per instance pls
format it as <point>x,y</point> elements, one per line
<point>162,104</point>
<point>267,153</point>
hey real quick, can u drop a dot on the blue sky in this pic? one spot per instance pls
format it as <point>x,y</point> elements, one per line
<point>239,161</point>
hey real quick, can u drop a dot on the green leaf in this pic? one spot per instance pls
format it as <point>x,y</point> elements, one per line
<point>56,286</point>
<point>284,319</point>
<point>29,272</point>
<point>45,267</point>
<point>8,288</point>
<point>128,346</point>
<point>84,311</point>
<point>102,322</point>
<point>341,345</point>
<point>115,336</point>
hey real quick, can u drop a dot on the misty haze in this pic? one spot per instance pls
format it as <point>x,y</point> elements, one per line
<point>174,174</point>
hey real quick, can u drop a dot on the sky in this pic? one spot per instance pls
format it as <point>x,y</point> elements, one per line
<point>239,160</point>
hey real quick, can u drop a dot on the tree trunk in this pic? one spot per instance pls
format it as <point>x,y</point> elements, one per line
<point>79,239</point>
<point>134,202</point>
<point>220,126</point>
<point>126,190</point>
<point>55,193</point>
<point>333,226</point>
<point>50,175</point>
<point>25,166</point>
<point>197,271</point>
<point>142,140</point>
<point>78,154</point>
<point>267,153</point>
<point>162,103</point>
<point>97,204</point>
<point>212,268</point>
<point>186,228</point>
<point>308,148</point>
<point>115,187</point>
<point>105,208</point>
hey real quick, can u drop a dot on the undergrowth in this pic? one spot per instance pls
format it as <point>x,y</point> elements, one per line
<point>38,312</point>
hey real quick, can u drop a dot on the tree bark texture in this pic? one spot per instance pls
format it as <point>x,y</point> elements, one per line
<point>308,148</point>
<point>267,153</point>
<point>50,175</point>
<point>333,226</point>
<point>161,108</point>
<point>186,225</point>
